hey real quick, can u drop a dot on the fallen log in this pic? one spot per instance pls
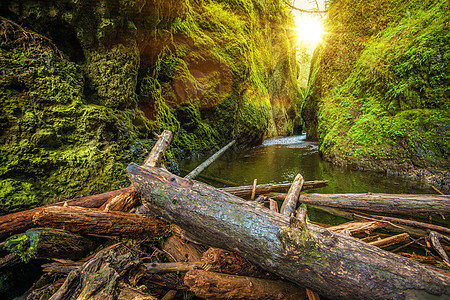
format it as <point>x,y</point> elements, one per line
<point>392,227</point>
<point>354,227</point>
<point>21,221</point>
<point>246,191</point>
<point>94,221</point>
<point>290,202</point>
<point>209,161</point>
<point>392,240</point>
<point>210,285</point>
<point>310,256</point>
<point>384,203</point>
<point>158,150</point>
<point>41,243</point>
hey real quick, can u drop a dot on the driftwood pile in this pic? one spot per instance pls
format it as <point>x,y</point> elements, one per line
<point>167,237</point>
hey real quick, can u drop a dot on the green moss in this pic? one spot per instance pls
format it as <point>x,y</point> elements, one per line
<point>379,86</point>
<point>82,98</point>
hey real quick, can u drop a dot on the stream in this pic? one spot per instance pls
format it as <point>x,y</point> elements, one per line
<point>279,160</point>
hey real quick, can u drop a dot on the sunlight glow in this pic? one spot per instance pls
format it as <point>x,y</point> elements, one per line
<point>310,30</point>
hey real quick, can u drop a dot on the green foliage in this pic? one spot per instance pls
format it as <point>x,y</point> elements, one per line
<point>24,245</point>
<point>390,98</point>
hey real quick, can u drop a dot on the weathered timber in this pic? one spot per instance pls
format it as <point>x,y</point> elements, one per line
<point>21,221</point>
<point>222,261</point>
<point>434,237</point>
<point>210,285</point>
<point>384,203</point>
<point>312,257</point>
<point>392,240</point>
<point>255,182</point>
<point>93,221</point>
<point>158,150</point>
<point>290,202</point>
<point>209,161</point>
<point>103,276</point>
<point>179,250</point>
<point>43,243</point>
<point>411,223</point>
<point>273,205</point>
<point>392,227</point>
<point>354,227</point>
<point>246,190</point>
<point>173,267</point>
<point>122,202</point>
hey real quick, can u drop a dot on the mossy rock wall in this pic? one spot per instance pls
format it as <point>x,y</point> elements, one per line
<point>86,83</point>
<point>379,89</point>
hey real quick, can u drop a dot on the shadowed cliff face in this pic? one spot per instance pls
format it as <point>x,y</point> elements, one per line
<point>378,95</point>
<point>86,83</point>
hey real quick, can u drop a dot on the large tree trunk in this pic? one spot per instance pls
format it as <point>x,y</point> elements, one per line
<point>246,191</point>
<point>385,203</point>
<point>332,264</point>
<point>94,221</point>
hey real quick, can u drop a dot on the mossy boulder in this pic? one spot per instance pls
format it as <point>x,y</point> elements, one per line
<point>379,90</point>
<point>85,84</point>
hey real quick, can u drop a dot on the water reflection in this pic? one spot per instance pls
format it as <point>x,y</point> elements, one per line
<point>279,160</point>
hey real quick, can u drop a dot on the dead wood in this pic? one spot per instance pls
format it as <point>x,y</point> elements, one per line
<point>281,245</point>
<point>94,221</point>
<point>173,267</point>
<point>358,226</point>
<point>392,240</point>
<point>159,149</point>
<point>222,261</point>
<point>21,221</point>
<point>194,173</point>
<point>210,285</point>
<point>41,243</point>
<point>179,250</point>
<point>416,204</point>
<point>290,202</point>
<point>268,189</point>
<point>122,202</point>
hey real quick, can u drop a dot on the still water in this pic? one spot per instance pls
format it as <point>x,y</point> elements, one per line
<point>279,160</point>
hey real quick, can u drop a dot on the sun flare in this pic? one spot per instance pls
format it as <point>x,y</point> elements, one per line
<point>310,30</point>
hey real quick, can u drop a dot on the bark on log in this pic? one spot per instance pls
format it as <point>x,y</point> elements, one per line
<point>158,150</point>
<point>209,161</point>
<point>222,261</point>
<point>290,202</point>
<point>246,191</point>
<point>41,243</point>
<point>210,285</point>
<point>312,257</point>
<point>384,203</point>
<point>94,221</point>
<point>21,221</point>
